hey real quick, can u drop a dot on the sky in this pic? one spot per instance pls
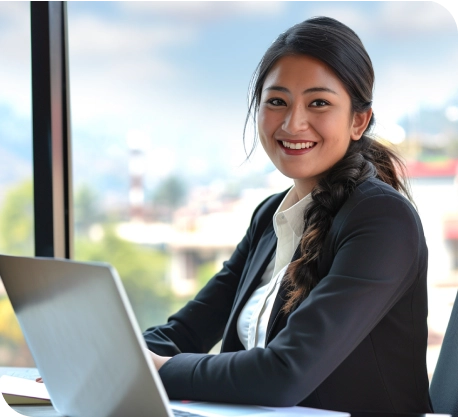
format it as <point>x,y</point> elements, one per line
<point>174,76</point>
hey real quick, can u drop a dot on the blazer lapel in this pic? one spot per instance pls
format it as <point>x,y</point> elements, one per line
<point>261,258</point>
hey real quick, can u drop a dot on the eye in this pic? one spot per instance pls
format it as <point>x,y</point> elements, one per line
<point>276,102</point>
<point>319,103</point>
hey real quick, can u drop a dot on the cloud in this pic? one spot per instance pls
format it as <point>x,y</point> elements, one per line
<point>115,62</point>
<point>411,87</point>
<point>98,37</point>
<point>202,11</point>
<point>15,71</point>
<point>390,18</point>
<point>415,17</point>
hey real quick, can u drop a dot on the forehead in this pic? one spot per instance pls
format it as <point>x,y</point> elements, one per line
<point>302,71</point>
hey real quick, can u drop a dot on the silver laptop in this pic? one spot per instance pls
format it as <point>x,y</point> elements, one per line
<point>87,345</point>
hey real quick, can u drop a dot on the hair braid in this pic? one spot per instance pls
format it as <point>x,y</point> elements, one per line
<point>328,196</point>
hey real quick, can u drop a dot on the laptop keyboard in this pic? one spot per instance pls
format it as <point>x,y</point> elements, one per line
<point>181,413</point>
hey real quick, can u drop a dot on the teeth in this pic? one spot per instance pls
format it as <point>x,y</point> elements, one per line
<point>297,145</point>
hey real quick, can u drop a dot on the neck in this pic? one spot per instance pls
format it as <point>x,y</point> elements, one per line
<point>303,188</point>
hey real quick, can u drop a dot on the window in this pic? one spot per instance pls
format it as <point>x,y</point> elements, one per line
<point>158,99</point>
<point>16,191</point>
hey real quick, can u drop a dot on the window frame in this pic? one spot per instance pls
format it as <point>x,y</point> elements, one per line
<point>52,174</point>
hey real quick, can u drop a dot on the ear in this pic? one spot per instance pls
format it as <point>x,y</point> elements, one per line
<point>359,124</point>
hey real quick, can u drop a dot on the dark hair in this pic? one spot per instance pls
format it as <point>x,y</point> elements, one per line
<point>339,47</point>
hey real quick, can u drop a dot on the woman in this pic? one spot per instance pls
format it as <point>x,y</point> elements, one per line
<point>323,303</point>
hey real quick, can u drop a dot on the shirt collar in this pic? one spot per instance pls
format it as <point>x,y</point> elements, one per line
<point>293,210</point>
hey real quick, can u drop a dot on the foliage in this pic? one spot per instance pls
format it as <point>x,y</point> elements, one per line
<point>16,238</point>
<point>16,221</point>
<point>171,192</point>
<point>205,271</point>
<point>8,323</point>
<point>86,211</point>
<point>142,270</point>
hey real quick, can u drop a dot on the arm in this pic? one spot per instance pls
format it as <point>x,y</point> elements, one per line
<point>376,259</point>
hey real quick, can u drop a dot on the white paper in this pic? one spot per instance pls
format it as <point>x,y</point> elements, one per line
<point>23,387</point>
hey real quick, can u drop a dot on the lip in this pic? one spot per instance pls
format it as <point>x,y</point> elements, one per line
<point>290,151</point>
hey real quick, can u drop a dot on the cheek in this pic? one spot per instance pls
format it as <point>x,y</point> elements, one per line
<point>261,120</point>
<point>336,131</point>
<point>267,125</point>
<point>263,129</point>
<point>330,125</point>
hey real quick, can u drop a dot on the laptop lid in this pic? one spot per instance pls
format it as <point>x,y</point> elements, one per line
<point>84,338</point>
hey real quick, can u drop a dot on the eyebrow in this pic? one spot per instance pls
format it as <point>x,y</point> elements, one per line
<point>307,91</point>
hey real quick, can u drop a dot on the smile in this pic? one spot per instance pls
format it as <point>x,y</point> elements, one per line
<point>297,145</point>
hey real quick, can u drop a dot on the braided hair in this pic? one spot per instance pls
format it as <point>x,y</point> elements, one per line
<point>341,49</point>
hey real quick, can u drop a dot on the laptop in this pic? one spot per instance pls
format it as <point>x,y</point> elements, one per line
<point>88,347</point>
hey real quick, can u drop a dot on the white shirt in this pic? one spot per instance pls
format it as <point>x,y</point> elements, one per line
<point>288,224</point>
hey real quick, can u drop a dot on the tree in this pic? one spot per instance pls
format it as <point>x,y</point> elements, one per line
<point>143,272</point>
<point>16,220</point>
<point>86,209</point>
<point>170,194</point>
<point>16,238</point>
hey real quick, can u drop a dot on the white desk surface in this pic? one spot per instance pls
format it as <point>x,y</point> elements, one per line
<point>48,411</point>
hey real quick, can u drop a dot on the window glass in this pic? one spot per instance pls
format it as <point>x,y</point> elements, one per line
<point>158,98</point>
<point>16,189</point>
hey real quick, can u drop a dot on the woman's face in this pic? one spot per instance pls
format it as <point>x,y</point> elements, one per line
<point>305,121</point>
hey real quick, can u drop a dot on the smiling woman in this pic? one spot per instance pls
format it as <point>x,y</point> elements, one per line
<point>323,303</point>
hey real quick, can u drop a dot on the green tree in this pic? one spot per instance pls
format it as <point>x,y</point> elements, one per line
<point>143,272</point>
<point>16,238</point>
<point>205,271</point>
<point>171,192</point>
<point>16,220</point>
<point>86,209</point>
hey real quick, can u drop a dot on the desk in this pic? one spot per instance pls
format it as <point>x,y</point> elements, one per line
<point>48,411</point>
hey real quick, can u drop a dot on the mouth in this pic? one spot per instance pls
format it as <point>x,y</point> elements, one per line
<point>297,145</point>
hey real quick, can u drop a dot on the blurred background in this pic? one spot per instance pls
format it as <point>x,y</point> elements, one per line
<point>158,105</point>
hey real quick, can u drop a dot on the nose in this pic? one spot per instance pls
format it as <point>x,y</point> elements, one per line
<point>296,119</point>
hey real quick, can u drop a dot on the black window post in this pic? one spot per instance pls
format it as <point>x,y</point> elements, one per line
<point>51,130</point>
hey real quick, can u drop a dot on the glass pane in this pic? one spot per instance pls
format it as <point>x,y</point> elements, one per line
<point>158,98</point>
<point>16,191</point>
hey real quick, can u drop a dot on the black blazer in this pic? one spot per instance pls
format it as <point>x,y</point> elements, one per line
<point>356,343</point>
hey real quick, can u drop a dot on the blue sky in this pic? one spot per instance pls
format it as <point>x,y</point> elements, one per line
<point>176,74</point>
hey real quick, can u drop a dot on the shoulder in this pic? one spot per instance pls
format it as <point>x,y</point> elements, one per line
<point>374,192</point>
<point>377,202</point>
<point>373,187</point>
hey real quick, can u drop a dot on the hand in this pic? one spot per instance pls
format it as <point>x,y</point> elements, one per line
<point>39,379</point>
<point>158,360</point>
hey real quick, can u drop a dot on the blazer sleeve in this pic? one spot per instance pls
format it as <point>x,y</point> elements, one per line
<point>378,250</point>
<point>200,324</point>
